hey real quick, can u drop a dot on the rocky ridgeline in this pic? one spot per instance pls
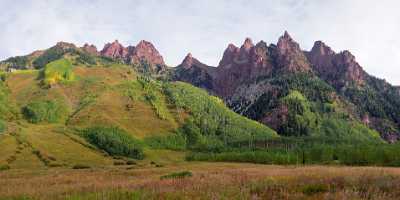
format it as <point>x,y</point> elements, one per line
<point>143,51</point>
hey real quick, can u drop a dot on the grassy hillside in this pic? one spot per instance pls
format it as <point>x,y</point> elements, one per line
<point>102,116</point>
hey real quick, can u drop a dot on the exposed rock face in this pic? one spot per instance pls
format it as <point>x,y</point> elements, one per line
<point>145,51</point>
<point>193,71</point>
<point>91,49</point>
<point>290,58</point>
<point>245,64</point>
<point>114,50</point>
<point>242,64</point>
<point>338,69</point>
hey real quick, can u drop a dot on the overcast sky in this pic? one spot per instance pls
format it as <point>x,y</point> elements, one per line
<point>369,29</point>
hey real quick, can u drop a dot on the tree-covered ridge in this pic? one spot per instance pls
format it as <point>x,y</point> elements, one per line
<point>210,120</point>
<point>304,105</point>
<point>380,102</point>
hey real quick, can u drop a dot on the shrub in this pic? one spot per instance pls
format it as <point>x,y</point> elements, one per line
<point>80,166</point>
<point>2,126</point>
<point>58,71</point>
<point>131,162</point>
<point>114,141</point>
<point>4,167</point>
<point>119,162</point>
<point>44,111</point>
<point>175,175</point>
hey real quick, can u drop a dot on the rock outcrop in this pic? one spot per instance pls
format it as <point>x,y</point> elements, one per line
<point>144,55</point>
<point>290,58</point>
<point>239,65</point>
<point>114,50</point>
<point>91,49</point>
<point>193,71</point>
<point>244,64</point>
<point>338,69</point>
<point>144,51</point>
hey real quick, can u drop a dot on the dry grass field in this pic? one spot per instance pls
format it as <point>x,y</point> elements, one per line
<point>209,181</point>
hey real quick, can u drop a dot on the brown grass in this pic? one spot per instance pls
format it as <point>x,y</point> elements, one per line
<point>209,181</point>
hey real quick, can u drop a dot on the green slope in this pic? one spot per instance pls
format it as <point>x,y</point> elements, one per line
<point>47,125</point>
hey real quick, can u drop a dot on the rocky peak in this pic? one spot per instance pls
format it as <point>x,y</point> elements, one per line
<point>91,49</point>
<point>230,53</point>
<point>321,49</point>
<point>290,58</point>
<point>145,50</point>
<point>247,45</point>
<point>338,69</point>
<point>287,45</point>
<point>232,48</point>
<point>188,61</point>
<point>114,50</point>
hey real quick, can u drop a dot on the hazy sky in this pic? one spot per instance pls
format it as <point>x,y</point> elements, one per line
<point>370,30</point>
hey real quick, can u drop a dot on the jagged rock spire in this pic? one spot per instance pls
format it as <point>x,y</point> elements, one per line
<point>114,50</point>
<point>290,57</point>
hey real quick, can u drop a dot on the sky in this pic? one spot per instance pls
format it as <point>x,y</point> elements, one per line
<point>370,30</point>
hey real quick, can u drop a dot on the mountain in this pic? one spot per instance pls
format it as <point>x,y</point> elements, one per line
<point>77,107</point>
<point>296,92</point>
<point>300,92</point>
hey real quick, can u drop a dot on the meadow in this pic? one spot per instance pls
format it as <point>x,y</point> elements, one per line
<point>206,181</point>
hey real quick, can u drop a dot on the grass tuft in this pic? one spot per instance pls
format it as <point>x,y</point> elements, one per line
<point>176,175</point>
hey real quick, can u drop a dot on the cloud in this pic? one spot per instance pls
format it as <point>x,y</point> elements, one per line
<point>204,28</point>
